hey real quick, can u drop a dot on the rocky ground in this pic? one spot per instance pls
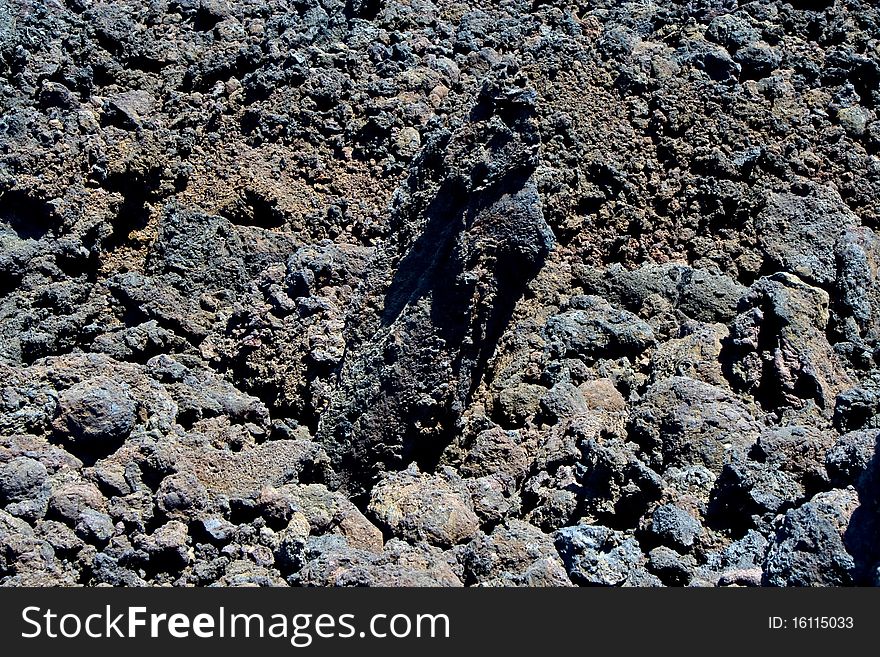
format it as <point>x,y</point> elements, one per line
<point>424,292</point>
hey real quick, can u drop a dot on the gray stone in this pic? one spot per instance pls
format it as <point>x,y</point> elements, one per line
<point>218,529</point>
<point>22,478</point>
<point>681,422</point>
<point>853,119</point>
<point>851,456</point>
<point>675,527</point>
<point>596,555</point>
<point>98,413</point>
<point>519,402</point>
<point>594,328</point>
<point>181,493</point>
<point>669,566</point>
<point>94,527</point>
<point>780,347</point>
<point>562,401</point>
<point>514,554</point>
<point>808,548</point>
<point>799,231</point>
<point>167,547</point>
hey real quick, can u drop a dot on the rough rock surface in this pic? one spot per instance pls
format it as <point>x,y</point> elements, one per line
<point>422,292</point>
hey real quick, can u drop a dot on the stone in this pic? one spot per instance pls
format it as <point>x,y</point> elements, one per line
<point>167,547</point>
<point>780,349</point>
<point>799,231</point>
<point>669,566</point>
<point>851,456</point>
<point>696,354</point>
<point>420,507</point>
<point>97,414</point>
<point>217,530</point>
<point>408,142</point>
<point>562,401</point>
<point>69,500</point>
<point>808,548</point>
<point>21,479</point>
<point>601,395</point>
<point>681,422</point>
<point>594,328</point>
<point>496,451</point>
<point>599,556</point>
<point>514,554</point>
<point>330,562</point>
<point>520,402</point>
<point>675,527</point>
<point>94,527</point>
<point>853,119</point>
<point>329,511</point>
<point>181,493</point>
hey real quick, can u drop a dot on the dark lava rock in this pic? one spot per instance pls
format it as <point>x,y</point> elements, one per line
<point>851,456</point>
<point>69,500</point>
<point>675,527</point>
<point>598,555</point>
<point>808,548</point>
<point>669,566</point>
<point>781,351</point>
<point>360,293</point>
<point>595,328</point>
<point>514,554</point>
<point>97,414</point>
<point>680,421</point>
<point>21,479</point>
<point>94,527</point>
<point>182,493</point>
<point>799,231</point>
